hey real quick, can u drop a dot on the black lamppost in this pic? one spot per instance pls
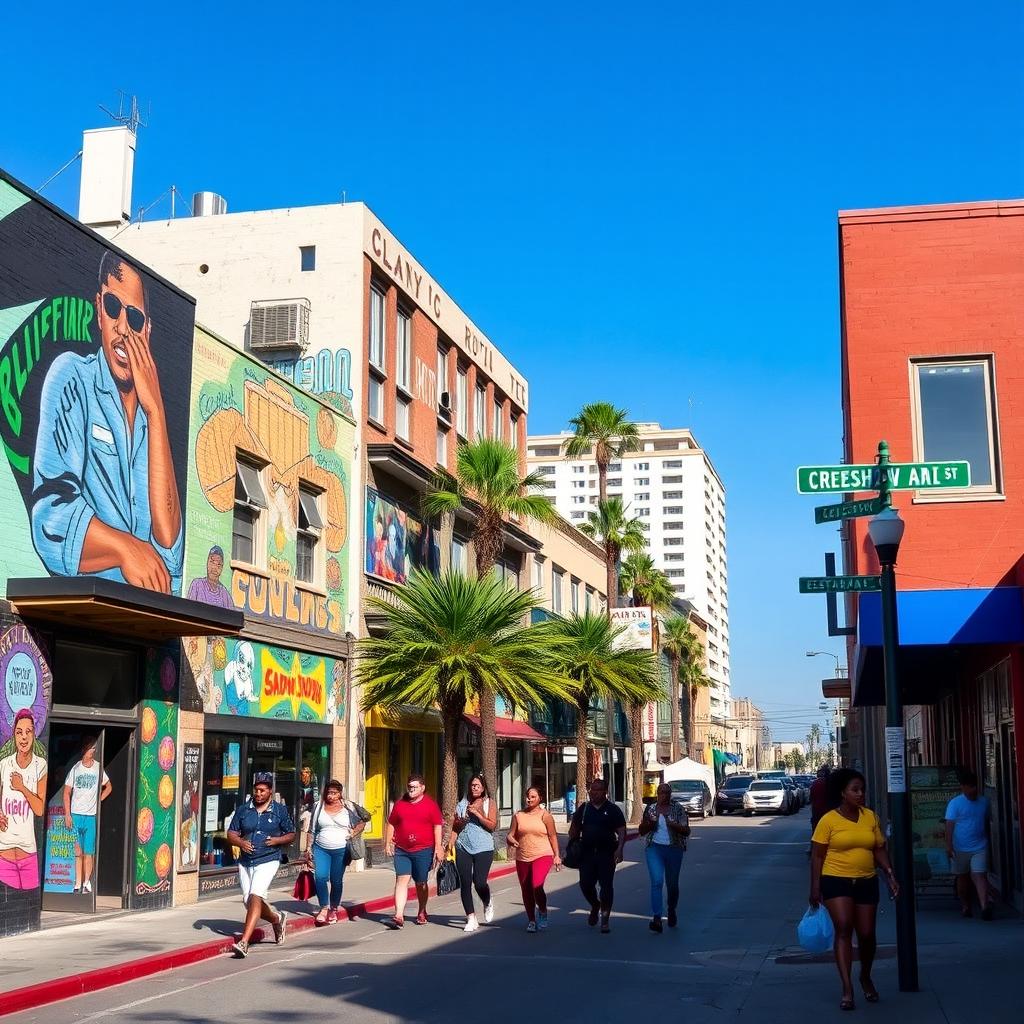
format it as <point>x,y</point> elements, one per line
<point>886,531</point>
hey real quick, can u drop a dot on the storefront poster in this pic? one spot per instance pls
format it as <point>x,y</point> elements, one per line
<point>71,311</point>
<point>210,817</point>
<point>240,677</point>
<point>25,674</point>
<point>59,864</point>
<point>931,789</point>
<point>188,829</point>
<point>397,542</point>
<point>232,757</point>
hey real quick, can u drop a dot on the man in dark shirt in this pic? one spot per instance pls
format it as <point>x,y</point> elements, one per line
<point>601,829</point>
<point>260,828</point>
<point>819,799</point>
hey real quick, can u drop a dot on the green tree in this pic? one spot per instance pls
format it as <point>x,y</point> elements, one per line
<point>583,652</point>
<point>683,648</point>
<point>616,531</point>
<point>445,639</point>
<point>648,585</point>
<point>795,760</point>
<point>605,430</point>
<point>487,483</point>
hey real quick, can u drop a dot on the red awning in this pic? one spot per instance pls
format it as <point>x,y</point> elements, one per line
<point>509,729</point>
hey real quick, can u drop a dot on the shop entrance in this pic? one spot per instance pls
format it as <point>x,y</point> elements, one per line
<point>90,791</point>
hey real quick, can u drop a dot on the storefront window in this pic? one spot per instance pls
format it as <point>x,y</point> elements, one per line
<point>277,756</point>
<point>222,758</point>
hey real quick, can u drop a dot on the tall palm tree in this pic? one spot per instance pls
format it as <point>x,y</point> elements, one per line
<point>639,576</point>
<point>694,679</point>
<point>606,430</point>
<point>446,637</point>
<point>487,481</point>
<point>612,526</point>
<point>681,644</point>
<point>581,649</point>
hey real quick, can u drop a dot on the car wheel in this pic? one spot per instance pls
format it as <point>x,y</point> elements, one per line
<point>749,814</point>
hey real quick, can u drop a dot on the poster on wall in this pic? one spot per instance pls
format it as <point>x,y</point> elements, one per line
<point>637,629</point>
<point>232,757</point>
<point>188,829</point>
<point>397,542</point>
<point>931,789</point>
<point>95,358</point>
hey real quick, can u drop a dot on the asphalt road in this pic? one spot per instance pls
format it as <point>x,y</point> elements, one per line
<point>744,883</point>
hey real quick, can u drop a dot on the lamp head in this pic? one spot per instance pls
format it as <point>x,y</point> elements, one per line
<point>886,531</point>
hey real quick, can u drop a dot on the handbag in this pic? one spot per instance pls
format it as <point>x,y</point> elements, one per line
<point>305,885</point>
<point>573,856</point>
<point>356,844</point>
<point>448,878</point>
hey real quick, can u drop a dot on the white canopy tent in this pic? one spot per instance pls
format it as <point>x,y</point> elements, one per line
<point>689,769</point>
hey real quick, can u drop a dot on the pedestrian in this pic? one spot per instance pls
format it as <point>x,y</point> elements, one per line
<point>472,838</point>
<point>847,850</point>
<point>413,839</point>
<point>308,799</point>
<point>666,826</point>
<point>819,798</point>
<point>85,788</point>
<point>333,825</point>
<point>967,844</point>
<point>601,829</point>
<point>535,841</point>
<point>260,828</point>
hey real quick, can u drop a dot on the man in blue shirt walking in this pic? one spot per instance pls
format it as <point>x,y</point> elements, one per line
<point>967,825</point>
<point>105,499</point>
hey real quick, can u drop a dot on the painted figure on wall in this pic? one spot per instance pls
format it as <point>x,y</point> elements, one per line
<point>22,800</point>
<point>397,542</point>
<point>105,498</point>
<point>83,793</point>
<point>238,679</point>
<point>209,588</point>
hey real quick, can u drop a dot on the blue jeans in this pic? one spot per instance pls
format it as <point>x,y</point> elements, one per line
<point>663,865</point>
<point>329,865</point>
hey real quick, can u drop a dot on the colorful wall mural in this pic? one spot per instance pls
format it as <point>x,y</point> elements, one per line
<point>95,355</point>
<point>240,677</point>
<point>240,406</point>
<point>397,541</point>
<point>326,374</point>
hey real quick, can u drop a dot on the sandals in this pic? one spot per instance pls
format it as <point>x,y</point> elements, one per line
<point>870,992</point>
<point>322,918</point>
<point>847,1004</point>
<point>605,927</point>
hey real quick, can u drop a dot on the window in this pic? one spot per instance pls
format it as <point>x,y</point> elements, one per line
<point>670,495</point>
<point>545,470</point>
<point>674,556</point>
<point>673,542</point>
<point>955,417</point>
<point>574,596</point>
<point>614,467</point>
<point>403,352</point>
<point>375,402</point>
<point>579,469</point>
<point>672,464</point>
<point>673,510</point>
<point>557,578</point>
<point>673,526</point>
<point>310,528</point>
<point>645,496</point>
<point>588,600</point>
<point>579,499</point>
<point>513,432</point>
<point>641,481</point>
<point>538,573</point>
<point>580,483</point>
<point>307,257</point>
<point>442,446</point>
<point>459,551</point>
<point>643,511</point>
<point>377,347</point>
<point>480,411</point>
<point>403,417</point>
<point>442,373</point>
<point>640,466</point>
<point>671,479</point>
<point>250,501</point>
<point>508,572</point>
<point>496,431</point>
<point>462,403</point>
<point>615,481</point>
<point>578,515</point>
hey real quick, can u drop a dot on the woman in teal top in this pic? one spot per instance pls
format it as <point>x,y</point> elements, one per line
<point>472,836</point>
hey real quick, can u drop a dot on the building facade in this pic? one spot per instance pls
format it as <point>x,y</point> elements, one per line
<point>931,357</point>
<point>672,487</point>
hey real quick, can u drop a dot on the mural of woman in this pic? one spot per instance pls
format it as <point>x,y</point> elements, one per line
<point>22,800</point>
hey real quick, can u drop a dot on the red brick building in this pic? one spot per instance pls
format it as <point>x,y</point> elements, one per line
<point>932,307</point>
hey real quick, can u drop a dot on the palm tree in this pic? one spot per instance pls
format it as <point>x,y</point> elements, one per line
<point>694,679</point>
<point>617,531</point>
<point>581,649</point>
<point>606,430</point>
<point>681,644</point>
<point>446,638</point>
<point>639,576</point>
<point>487,480</point>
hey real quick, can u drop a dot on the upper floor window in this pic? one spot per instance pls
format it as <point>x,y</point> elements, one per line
<point>497,432</point>
<point>307,257</point>
<point>955,415</point>
<point>480,411</point>
<point>311,527</point>
<point>557,580</point>
<point>442,371</point>
<point>513,428</point>
<point>250,504</point>
<point>377,345</point>
<point>403,352</point>
<point>459,553</point>
<point>462,403</point>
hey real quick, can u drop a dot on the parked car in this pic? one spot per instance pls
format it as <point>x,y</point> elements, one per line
<point>795,794</point>
<point>766,796</point>
<point>804,782</point>
<point>729,797</point>
<point>694,795</point>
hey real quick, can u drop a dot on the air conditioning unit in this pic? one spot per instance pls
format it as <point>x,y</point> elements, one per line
<point>444,407</point>
<point>279,325</point>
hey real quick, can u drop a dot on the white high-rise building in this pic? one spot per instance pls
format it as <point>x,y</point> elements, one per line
<point>671,486</point>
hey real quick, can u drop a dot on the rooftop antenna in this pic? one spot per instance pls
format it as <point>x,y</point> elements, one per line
<point>128,113</point>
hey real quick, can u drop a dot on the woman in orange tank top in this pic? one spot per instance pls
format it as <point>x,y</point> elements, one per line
<point>535,841</point>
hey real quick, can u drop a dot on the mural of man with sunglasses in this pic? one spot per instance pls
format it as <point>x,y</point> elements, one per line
<point>105,499</point>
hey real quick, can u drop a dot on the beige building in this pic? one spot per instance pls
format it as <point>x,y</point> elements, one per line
<point>569,570</point>
<point>748,736</point>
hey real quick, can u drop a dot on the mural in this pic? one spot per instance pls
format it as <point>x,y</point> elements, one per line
<point>239,677</point>
<point>397,541</point>
<point>188,831</point>
<point>23,710</point>
<point>93,424</point>
<point>326,374</point>
<point>241,406</point>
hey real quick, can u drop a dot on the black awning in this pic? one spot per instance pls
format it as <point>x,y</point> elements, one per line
<point>106,606</point>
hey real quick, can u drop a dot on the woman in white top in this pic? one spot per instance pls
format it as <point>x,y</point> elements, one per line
<point>333,827</point>
<point>22,800</point>
<point>666,826</point>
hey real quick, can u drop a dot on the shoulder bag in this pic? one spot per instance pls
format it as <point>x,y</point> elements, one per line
<point>573,856</point>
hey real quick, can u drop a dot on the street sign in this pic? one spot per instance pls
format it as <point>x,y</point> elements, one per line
<point>848,510</point>
<point>839,584</point>
<point>901,476</point>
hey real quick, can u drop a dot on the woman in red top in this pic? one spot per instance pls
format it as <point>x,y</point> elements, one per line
<point>413,839</point>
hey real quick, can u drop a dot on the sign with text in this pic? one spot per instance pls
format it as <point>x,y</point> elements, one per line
<point>637,629</point>
<point>839,584</point>
<point>188,830</point>
<point>895,759</point>
<point>901,476</point>
<point>847,510</point>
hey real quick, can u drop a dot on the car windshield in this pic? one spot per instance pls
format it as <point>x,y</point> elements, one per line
<point>738,782</point>
<point>766,784</point>
<point>686,786</point>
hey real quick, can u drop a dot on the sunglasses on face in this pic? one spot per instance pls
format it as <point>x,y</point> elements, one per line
<point>112,306</point>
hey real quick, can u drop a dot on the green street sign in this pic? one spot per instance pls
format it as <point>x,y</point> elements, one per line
<point>839,584</point>
<point>848,510</point>
<point>901,476</point>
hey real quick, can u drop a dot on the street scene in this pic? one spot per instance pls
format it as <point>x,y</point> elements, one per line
<point>512,508</point>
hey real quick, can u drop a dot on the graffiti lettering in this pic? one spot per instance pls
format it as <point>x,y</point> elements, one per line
<point>277,684</point>
<point>326,373</point>
<point>426,383</point>
<point>281,599</point>
<point>69,398</point>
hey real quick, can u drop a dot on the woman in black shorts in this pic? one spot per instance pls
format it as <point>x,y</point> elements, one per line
<point>847,848</point>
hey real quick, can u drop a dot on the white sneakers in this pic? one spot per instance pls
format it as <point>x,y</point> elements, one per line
<point>489,912</point>
<point>472,924</point>
<point>87,886</point>
<point>531,927</point>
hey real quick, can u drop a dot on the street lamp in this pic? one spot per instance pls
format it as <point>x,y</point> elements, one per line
<point>886,532</point>
<point>828,654</point>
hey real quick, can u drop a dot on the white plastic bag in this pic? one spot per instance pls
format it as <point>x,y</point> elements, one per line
<point>815,932</point>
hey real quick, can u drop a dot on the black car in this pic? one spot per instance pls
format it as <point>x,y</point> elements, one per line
<point>729,797</point>
<point>694,795</point>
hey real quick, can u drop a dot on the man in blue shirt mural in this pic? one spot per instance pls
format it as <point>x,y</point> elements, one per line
<point>105,499</point>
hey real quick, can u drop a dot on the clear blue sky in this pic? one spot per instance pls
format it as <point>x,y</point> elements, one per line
<point>637,203</point>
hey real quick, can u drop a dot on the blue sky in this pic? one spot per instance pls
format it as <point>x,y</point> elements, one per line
<point>637,203</point>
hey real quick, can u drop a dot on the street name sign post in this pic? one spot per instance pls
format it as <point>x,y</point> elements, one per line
<point>848,510</point>
<point>839,584</point>
<point>894,476</point>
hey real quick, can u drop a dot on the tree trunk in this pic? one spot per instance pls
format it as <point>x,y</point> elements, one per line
<point>602,474</point>
<point>582,752</point>
<point>487,542</point>
<point>611,559</point>
<point>674,696</point>
<point>692,700</point>
<point>450,720</point>
<point>636,729</point>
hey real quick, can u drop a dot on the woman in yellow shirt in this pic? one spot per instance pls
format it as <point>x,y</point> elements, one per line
<point>847,848</point>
